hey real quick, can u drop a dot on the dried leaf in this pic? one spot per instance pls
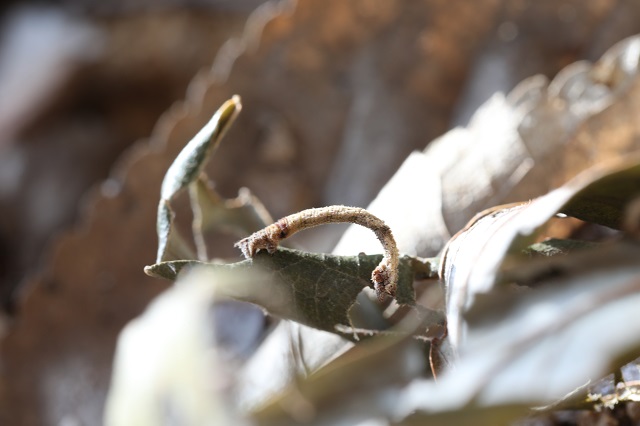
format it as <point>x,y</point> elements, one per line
<point>472,259</point>
<point>590,303</point>
<point>542,134</point>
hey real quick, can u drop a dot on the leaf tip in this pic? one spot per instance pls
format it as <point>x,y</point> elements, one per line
<point>149,270</point>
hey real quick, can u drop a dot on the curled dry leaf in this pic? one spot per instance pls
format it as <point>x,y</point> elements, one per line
<point>541,135</point>
<point>588,303</point>
<point>472,260</point>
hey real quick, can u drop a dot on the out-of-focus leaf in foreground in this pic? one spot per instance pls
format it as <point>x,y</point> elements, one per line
<point>314,289</point>
<point>182,381</point>
<point>165,370</point>
<point>357,386</point>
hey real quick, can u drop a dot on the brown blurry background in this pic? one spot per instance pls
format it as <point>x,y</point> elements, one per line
<point>80,82</point>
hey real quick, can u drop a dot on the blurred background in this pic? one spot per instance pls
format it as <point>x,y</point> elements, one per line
<point>336,95</point>
<point>80,82</point>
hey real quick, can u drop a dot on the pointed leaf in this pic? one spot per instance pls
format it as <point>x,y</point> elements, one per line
<point>183,171</point>
<point>189,163</point>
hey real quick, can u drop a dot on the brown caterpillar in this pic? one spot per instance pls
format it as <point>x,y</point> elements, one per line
<point>384,277</point>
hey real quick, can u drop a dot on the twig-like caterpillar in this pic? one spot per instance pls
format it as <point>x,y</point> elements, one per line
<point>384,277</point>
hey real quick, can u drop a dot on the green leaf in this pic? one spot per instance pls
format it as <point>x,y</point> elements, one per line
<point>189,163</point>
<point>184,171</point>
<point>314,289</point>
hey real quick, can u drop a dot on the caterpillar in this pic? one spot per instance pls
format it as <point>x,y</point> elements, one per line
<point>384,277</point>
